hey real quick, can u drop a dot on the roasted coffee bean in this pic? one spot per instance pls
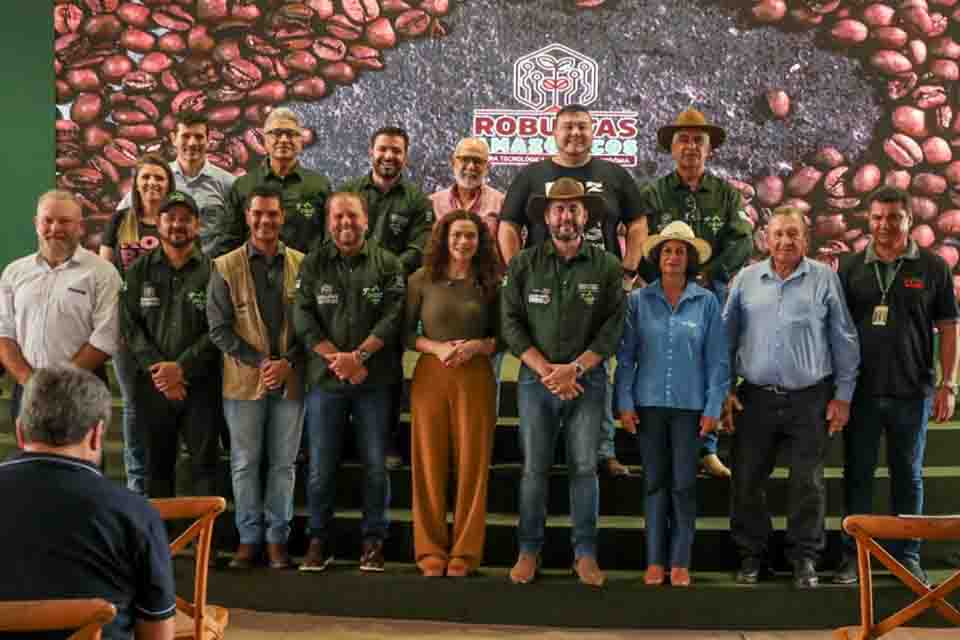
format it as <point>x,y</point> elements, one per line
<point>929,184</point>
<point>134,14</point>
<point>890,62</point>
<point>156,62</point>
<point>227,50</point>
<point>199,72</point>
<point>172,43</point>
<point>167,124</point>
<point>380,34</point>
<point>101,6</point>
<point>437,29</point>
<point>436,8</point>
<point>222,160</point>
<point>917,52</point>
<point>215,140</point>
<point>69,155</point>
<point>747,191</point>
<point>364,57</point>
<point>911,121</point>
<point>322,9</point>
<point>95,137</point>
<point>193,100</point>
<point>805,17</point>
<point>769,11</point>
<point>769,190</point>
<point>313,88</point>
<point>226,93</point>
<point>83,79</point>
<point>923,208</point>
<point>138,132</point>
<point>256,114</point>
<point>105,167</point>
<point>63,92</point>
<point>361,11</point>
<point>170,80</point>
<point>923,235</point>
<point>949,253</point>
<point>949,222</point>
<point>102,27</point>
<point>803,181</point>
<point>253,137</point>
<point>199,40</point>
<point>86,108</point>
<point>936,151</point>
<point>898,178</point>
<point>828,157</point>
<point>137,40</point>
<point>889,37</point>
<point>903,150</point>
<point>66,130</point>
<point>916,18</point>
<point>779,103</point>
<point>67,18</point>
<point>85,179</point>
<point>71,47</point>
<point>866,179</point>
<point>830,225</point>
<point>139,82</point>
<point>413,23</point>
<point>834,182</point>
<point>242,74</point>
<point>395,6</point>
<point>952,173</point>
<point>901,86</point>
<point>243,14</point>
<point>256,44</point>
<point>238,151</point>
<point>929,96</point>
<point>172,17</point>
<point>225,115</point>
<point>798,203</point>
<point>212,11</point>
<point>846,203</point>
<point>849,32</point>
<point>295,15</point>
<point>945,47</point>
<point>945,70</point>
<point>271,67</point>
<point>329,49</point>
<point>113,68</point>
<point>301,61</point>
<point>340,26</point>
<point>939,24</point>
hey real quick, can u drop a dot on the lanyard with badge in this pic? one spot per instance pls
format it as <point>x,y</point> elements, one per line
<point>881,312</point>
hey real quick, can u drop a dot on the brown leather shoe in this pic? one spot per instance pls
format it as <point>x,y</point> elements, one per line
<point>245,557</point>
<point>714,466</point>
<point>318,557</point>
<point>588,572</point>
<point>525,571</point>
<point>615,468</point>
<point>278,556</point>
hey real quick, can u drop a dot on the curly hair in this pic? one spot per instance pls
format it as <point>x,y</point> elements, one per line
<point>485,266</point>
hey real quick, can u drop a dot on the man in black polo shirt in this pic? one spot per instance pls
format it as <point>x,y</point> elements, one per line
<point>163,318</point>
<point>897,293</point>
<point>71,533</point>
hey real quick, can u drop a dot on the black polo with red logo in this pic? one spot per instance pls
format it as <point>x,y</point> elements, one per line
<point>896,344</point>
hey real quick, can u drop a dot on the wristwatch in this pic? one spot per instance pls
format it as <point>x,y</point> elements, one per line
<point>952,388</point>
<point>579,368</point>
<point>362,355</point>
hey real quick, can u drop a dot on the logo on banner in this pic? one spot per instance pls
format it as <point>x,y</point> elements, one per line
<point>544,81</point>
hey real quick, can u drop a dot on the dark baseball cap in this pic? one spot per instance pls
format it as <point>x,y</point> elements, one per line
<point>179,197</point>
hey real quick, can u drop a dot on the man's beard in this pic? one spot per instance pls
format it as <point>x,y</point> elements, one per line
<point>566,233</point>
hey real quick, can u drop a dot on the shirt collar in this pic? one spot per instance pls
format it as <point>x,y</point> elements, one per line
<point>675,183</point>
<point>206,170</point>
<point>74,260</point>
<point>691,291</point>
<point>455,201</point>
<point>268,171</point>
<point>252,251</point>
<point>767,271</point>
<point>551,249</point>
<point>24,457</point>
<point>912,252</point>
<point>159,255</point>
<point>368,183</point>
<point>333,252</point>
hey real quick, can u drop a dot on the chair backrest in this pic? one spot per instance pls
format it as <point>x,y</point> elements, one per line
<point>203,511</point>
<point>87,616</point>
<point>866,530</point>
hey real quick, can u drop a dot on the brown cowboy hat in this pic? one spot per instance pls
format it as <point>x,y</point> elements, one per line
<point>690,119</point>
<point>567,189</point>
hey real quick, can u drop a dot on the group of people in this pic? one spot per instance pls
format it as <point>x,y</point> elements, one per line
<point>276,304</point>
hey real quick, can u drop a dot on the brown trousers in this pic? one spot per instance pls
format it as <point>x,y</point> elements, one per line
<point>453,418</point>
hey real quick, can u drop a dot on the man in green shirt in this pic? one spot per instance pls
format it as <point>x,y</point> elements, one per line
<point>400,220</point>
<point>164,322</point>
<point>347,314</point>
<point>303,192</point>
<point>561,380</point>
<point>712,208</point>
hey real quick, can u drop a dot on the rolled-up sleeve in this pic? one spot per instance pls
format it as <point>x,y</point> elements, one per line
<point>844,343</point>
<point>8,312</point>
<point>106,311</point>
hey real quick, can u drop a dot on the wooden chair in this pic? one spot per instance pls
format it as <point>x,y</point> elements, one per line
<point>87,616</point>
<point>197,619</point>
<point>866,530</point>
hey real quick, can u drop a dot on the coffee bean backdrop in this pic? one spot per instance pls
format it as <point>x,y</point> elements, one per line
<point>822,100</point>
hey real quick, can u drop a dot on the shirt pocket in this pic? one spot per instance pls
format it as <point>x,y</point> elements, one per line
<point>76,300</point>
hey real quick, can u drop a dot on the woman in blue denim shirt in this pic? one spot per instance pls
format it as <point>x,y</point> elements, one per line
<point>673,372</point>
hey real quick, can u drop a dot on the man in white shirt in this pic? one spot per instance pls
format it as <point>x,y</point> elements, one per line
<point>58,306</point>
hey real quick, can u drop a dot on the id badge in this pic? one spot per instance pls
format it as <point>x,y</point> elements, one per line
<point>880,313</point>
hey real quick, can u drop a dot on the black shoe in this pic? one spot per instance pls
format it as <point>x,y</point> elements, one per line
<point>750,570</point>
<point>805,574</point>
<point>913,566</point>
<point>847,572</point>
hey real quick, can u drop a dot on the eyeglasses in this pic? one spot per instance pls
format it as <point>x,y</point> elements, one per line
<point>480,162</point>
<point>276,134</point>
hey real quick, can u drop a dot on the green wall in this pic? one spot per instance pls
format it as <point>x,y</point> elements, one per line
<point>26,126</point>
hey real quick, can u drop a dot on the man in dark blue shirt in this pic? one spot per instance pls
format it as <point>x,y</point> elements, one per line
<point>77,534</point>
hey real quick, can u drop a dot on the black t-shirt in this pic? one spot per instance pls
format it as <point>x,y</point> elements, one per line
<point>71,533</point>
<point>611,181</point>
<point>897,358</point>
<point>125,253</point>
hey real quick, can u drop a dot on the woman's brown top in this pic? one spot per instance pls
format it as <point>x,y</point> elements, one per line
<point>445,310</point>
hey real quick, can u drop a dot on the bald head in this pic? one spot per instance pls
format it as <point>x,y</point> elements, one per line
<point>470,163</point>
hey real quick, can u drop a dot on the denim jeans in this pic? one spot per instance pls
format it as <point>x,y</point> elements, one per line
<point>541,414</point>
<point>608,430</point>
<point>905,423</point>
<point>267,427</point>
<point>370,411</point>
<point>134,445</point>
<point>671,455</point>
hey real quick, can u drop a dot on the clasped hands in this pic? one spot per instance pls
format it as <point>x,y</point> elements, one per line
<point>346,365</point>
<point>560,380</point>
<point>454,353</point>
<point>169,380</point>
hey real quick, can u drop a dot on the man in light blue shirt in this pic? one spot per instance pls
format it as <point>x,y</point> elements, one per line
<point>795,347</point>
<point>206,183</point>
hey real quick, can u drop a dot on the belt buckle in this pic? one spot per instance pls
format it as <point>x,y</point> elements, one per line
<point>777,389</point>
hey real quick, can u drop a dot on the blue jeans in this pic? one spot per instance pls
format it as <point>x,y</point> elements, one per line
<point>134,447</point>
<point>905,423</point>
<point>608,429</point>
<point>541,414</point>
<point>497,363</point>
<point>370,410</point>
<point>671,448</point>
<point>267,427</point>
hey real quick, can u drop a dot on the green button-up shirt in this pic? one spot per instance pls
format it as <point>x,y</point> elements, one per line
<point>715,213</point>
<point>163,313</point>
<point>400,219</point>
<point>304,196</point>
<point>345,300</point>
<point>563,307</point>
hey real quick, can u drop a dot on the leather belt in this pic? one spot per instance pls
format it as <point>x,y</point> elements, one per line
<point>783,391</point>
